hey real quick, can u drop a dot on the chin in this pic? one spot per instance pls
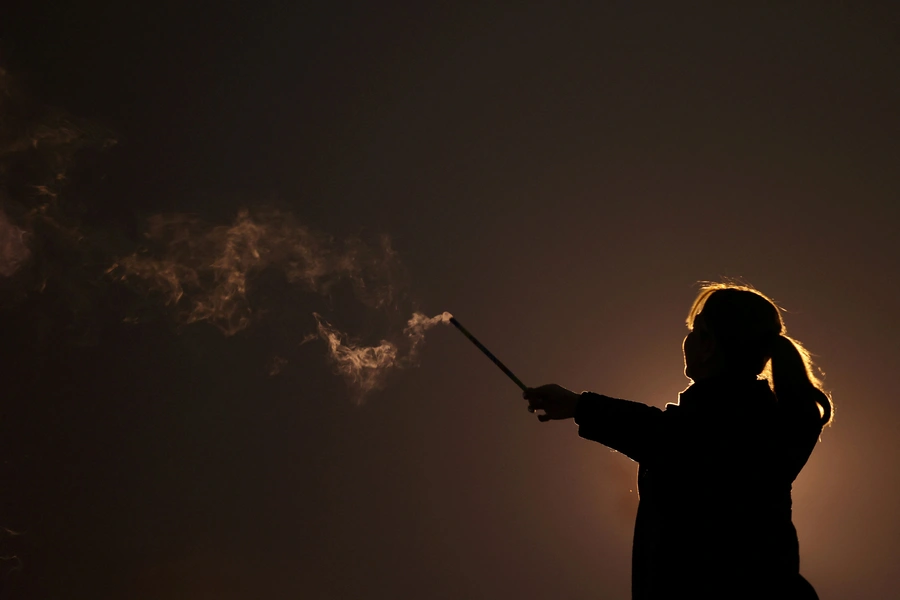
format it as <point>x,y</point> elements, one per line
<point>689,376</point>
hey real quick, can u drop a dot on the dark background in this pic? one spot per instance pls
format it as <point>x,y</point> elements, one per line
<point>559,177</point>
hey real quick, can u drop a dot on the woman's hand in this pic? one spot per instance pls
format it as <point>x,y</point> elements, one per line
<point>556,401</point>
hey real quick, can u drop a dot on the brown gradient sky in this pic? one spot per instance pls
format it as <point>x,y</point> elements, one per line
<point>558,177</point>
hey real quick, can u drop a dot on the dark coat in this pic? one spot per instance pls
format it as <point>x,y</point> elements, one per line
<point>714,477</point>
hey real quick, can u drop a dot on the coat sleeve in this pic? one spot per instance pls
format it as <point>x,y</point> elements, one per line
<point>631,428</point>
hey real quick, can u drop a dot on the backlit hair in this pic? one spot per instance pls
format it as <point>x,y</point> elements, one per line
<point>751,333</point>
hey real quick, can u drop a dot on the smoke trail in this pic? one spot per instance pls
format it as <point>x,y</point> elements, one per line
<point>13,249</point>
<point>207,271</point>
<point>38,145</point>
<point>366,367</point>
<point>51,260</point>
<point>418,325</point>
<point>184,266</point>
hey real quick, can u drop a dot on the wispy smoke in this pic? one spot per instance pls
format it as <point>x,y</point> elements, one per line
<point>38,144</point>
<point>367,367</point>
<point>206,271</point>
<point>13,249</point>
<point>41,239</point>
<point>200,271</point>
<point>419,324</point>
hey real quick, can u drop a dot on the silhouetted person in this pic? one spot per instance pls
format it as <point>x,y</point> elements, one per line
<point>715,470</point>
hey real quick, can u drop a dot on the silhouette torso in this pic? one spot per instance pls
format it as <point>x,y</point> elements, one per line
<point>715,475</point>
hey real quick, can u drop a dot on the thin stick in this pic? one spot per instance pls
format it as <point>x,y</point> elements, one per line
<point>488,353</point>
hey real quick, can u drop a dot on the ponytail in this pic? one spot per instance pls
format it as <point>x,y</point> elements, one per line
<point>752,334</point>
<point>794,379</point>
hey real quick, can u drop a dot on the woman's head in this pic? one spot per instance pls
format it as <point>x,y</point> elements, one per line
<point>734,330</point>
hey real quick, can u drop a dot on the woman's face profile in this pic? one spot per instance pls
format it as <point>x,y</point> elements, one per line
<point>698,347</point>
